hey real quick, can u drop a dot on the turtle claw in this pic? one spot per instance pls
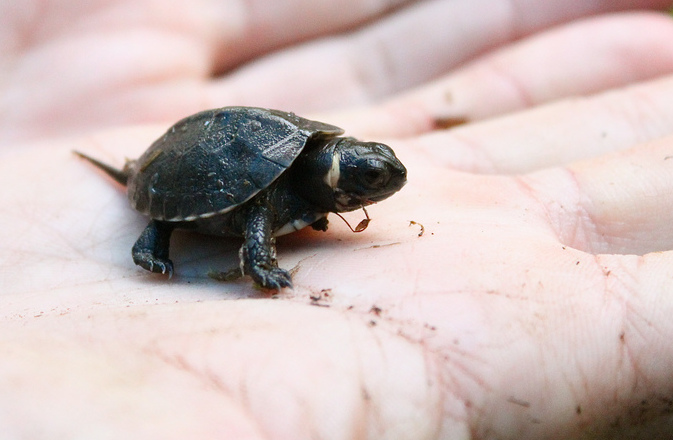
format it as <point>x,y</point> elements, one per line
<point>153,264</point>
<point>151,249</point>
<point>273,278</point>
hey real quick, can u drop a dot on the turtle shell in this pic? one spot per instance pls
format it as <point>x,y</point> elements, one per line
<point>215,160</point>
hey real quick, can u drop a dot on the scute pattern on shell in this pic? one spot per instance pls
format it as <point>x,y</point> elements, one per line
<point>213,161</point>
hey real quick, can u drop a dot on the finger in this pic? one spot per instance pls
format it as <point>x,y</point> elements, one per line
<point>557,133</point>
<point>473,24</point>
<point>579,59</point>
<point>237,30</point>
<point>84,67</point>
<point>263,26</point>
<point>407,48</point>
<point>621,203</point>
<point>85,83</point>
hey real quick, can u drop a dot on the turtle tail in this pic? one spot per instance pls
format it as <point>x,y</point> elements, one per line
<point>121,176</point>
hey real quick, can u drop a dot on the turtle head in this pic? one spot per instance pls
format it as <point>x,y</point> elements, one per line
<point>363,173</point>
<point>345,174</point>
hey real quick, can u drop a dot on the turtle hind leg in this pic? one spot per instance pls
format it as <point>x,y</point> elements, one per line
<point>258,253</point>
<point>151,249</point>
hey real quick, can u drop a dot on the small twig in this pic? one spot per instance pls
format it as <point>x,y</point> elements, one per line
<point>420,234</point>
<point>361,226</point>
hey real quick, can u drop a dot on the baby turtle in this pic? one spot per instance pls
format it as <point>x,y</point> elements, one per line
<point>253,173</point>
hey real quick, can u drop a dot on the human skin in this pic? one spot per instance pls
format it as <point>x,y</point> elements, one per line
<point>535,304</point>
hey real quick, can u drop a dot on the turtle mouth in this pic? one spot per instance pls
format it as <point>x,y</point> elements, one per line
<point>350,202</point>
<point>381,196</point>
<point>376,199</point>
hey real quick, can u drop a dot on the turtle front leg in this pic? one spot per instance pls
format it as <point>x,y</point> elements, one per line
<point>258,253</point>
<point>151,249</point>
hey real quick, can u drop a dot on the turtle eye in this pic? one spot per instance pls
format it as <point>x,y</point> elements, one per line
<point>376,177</point>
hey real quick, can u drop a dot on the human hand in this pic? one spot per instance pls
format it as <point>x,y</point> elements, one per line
<point>521,312</point>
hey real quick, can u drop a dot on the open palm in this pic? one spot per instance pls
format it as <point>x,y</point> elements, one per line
<point>518,286</point>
